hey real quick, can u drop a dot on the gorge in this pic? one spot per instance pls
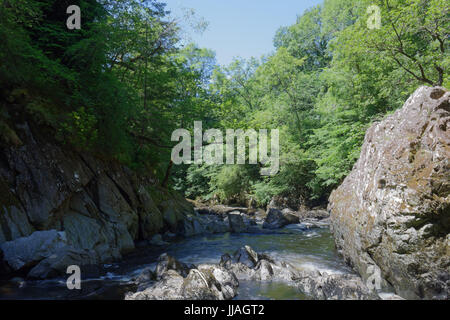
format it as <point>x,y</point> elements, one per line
<point>98,125</point>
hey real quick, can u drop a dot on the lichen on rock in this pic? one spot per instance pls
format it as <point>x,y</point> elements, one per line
<point>392,212</point>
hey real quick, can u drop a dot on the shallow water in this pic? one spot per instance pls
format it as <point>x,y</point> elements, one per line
<point>305,248</point>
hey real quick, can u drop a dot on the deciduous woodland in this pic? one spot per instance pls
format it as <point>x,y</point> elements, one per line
<point>87,116</point>
<point>124,82</point>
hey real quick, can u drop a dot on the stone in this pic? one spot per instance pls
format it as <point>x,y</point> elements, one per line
<point>166,262</point>
<point>247,256</point>
<point>315,284</point>
<point>56,264</point>
<point>175,281</point>
<point>150,217</point>
<point>275,219</point>
<point>236,221</point>
<point>157,240</point>
<point>29,251</point>
<point>314,214</point>
<point>290,215</point>
<point>392,212</point>
<point>323,286</point>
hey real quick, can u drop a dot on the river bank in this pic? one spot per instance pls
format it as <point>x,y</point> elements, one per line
<point>311,249</point>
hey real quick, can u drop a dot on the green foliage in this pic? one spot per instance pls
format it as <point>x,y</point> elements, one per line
<point>124,82</point>
<point>81,128</point>
<point>329,79</point>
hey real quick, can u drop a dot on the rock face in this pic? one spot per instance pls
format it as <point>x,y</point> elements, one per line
<point>101,207</point>
<point>392,213</point>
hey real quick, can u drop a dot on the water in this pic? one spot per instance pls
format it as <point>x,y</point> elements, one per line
<point>303,248</point>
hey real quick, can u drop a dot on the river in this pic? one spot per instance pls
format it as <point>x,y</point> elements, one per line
<point>312,248</point>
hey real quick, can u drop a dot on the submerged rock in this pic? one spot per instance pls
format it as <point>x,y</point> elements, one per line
<point>391,215</point>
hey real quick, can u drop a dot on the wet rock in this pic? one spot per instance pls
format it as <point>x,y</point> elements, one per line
<point>151,218</point>
<point>245,255</point>
<point>236,221</point>
<point>179,282</point>
<point>217,225</point>
<point>275,219</point>
<point>167,288</point>
<point>193,226</point>
<point>290,215</point>
<point>392,213</point>
<point>323,286</point>
<point>317,285</point>
<point>314,223</point>
<point>166,262</point>
<point>220,210</point>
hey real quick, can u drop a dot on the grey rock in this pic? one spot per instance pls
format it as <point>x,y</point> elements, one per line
<point>102,206</point>
<point>314,214</point>
<point>392,212</point>
<point>157,240</point>
<point>245,255</point>
<point>317,285</point>
<point>57,263</point>
<point>323,286</point>
<point>28,251</point>
<point>178,282</point>
<point>166,262</point>
<point>236,221</point>
<point>275,219</point>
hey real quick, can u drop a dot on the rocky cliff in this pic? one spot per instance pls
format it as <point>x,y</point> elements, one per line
<point>391,215</point>
<point>60,207</point>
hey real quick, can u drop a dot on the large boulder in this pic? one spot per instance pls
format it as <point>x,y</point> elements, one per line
<point>391,215</point>
<point>57,263</point>
<point>45,254</point>
<point>237,224</point>
<point>28,251</point>
<point>276,218</point>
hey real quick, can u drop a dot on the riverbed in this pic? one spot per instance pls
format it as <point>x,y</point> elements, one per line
<point>304,248</point>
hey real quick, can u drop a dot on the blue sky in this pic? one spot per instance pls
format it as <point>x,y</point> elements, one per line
<point>243,28</point>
